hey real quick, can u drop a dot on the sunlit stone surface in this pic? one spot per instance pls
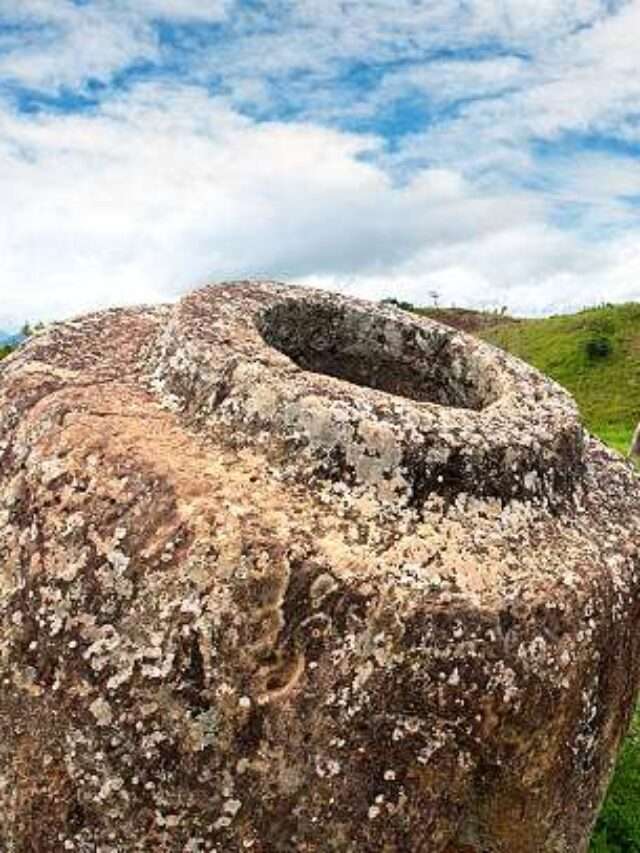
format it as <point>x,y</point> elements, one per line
<point>283,571</point>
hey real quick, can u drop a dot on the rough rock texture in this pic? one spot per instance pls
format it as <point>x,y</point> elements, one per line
<point>281,571</point>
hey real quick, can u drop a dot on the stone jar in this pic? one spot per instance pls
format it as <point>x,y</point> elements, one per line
<point>285,571</point>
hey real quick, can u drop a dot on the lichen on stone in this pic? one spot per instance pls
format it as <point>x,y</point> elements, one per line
<point>286,571</point>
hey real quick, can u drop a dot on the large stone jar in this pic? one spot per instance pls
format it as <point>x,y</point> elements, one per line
<point>284,571</point>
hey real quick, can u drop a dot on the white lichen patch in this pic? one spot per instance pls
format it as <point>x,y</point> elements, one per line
<point>102,712</point>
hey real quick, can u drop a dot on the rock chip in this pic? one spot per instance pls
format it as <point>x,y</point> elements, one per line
<point>285,571</point>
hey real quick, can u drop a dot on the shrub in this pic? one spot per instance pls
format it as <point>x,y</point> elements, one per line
<point>397,303</point>
<point>597,346</point>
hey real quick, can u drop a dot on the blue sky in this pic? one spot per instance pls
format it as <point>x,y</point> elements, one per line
<point>486,150</point>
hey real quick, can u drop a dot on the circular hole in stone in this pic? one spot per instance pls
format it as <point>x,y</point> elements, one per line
<point>377,351</point>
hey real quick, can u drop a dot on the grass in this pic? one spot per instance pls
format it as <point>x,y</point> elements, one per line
<point>618,827</point>
<point>595,354</point>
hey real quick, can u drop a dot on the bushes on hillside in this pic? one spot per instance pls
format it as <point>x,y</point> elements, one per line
<point>398,303</point>
<point>597,346</point>
<point>600,329</point>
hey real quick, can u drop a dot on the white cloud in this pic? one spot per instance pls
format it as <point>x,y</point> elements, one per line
<point>585,83</point>
<point>180,10</point>
<point>165,188</point>
<point>65,44</point>
<point>532,270</point>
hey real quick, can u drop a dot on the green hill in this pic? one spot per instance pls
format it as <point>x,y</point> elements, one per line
<point>595,354</point>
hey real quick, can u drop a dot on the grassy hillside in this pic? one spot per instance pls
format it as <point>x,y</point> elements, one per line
<point>595,354</point>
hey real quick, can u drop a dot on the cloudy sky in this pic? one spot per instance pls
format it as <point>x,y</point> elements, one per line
<point>485,149</point>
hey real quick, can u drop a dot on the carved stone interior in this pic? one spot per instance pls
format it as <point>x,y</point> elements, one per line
<point>406,359</point>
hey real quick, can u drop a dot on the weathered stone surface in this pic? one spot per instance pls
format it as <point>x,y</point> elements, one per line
<point>281,571</point>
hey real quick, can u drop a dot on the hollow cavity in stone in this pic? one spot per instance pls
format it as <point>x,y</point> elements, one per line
<point>404,359</point>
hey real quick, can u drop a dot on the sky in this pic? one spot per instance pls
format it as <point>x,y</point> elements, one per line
<point>486,151</point>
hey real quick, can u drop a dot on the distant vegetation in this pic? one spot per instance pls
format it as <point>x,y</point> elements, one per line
<point>468,319</point>
<point>9,342</point>
<point>595,354</point>
<point>398,303</point>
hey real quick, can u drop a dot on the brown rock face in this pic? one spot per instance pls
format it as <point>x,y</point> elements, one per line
<point>282,571</point>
